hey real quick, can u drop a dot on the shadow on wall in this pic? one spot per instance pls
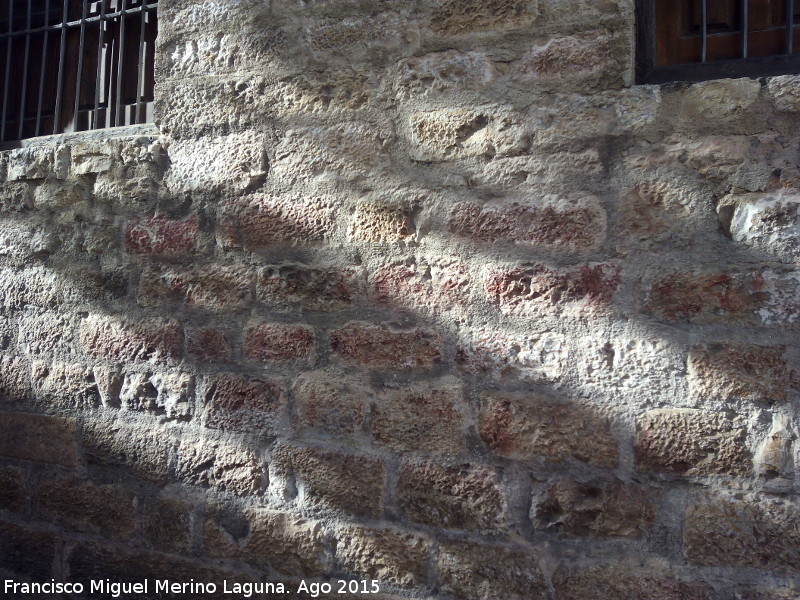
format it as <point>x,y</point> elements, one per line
<point>484,352</point>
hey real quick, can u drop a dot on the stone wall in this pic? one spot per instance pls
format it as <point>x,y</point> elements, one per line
<point>421,292</point>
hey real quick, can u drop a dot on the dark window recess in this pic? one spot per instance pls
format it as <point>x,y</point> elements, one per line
<point>691,40</point>
<point>73,65</point>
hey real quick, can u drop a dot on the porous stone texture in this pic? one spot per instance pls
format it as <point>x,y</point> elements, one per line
<point>429,294</point>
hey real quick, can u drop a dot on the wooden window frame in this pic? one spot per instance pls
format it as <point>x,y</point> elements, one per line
<point>648,72</point>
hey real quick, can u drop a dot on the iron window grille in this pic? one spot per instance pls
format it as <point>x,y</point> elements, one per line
<point>75,65</point>
<point>692,40</point>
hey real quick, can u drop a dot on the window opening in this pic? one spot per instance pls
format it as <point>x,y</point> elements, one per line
<point>707,39</point>
<point>75,65</point>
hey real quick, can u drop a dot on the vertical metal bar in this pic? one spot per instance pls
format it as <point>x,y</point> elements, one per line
<point>704,50</point>
<point>76,115</point>
<point>789,26</point>
<point>745,26</point>
<point>25,72</point>
<point>140,68</point>
<point>120,65</point>
<point>100,64</point>
<point>8,69</point>
<point>44,67</point>
<point>57,116</point>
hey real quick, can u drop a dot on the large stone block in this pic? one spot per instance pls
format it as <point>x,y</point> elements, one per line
<point>526,427</point>
<point>384,348</point>
<point>81,505</point>
<point>388,556</point>
<point>332,402</point>
<point>240,403</point>
<point>596,508</point>
<point>433,285</point>
<point>348,483</point>
<point>731,371</point>
<point>215,288</point>
<point>543,290</point>
<point>587,582</point>
<point>39,438</point>
<point>692,442</point>
<point>498,354</point>
<point>228,466</point>
<point>279,343</point>
<point>748,533</point>
<point>64,385</point>
<point>114,338</point>
<point>27,551</point>
<point>292,546</point>
<point>167,394</point>
<point>550,223</point>
<point>430,418</point>
<point>459,17</point>
<point>161,236</point>
<point>490,572</point>
<point>299,287</point>
<point>461,496</point>
<point>258,221</point>
<point>167,523</point>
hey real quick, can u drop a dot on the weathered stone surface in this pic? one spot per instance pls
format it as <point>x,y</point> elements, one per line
<point>454,497</point>
<point>655,214</point>
<point>440,72</point>
<point>47,332</point>
<point>583,582</point>
<point>497,354</point>
<point>13,489</point>
<point>598,508</point>
<point>457,133</point>
<point>235,402</point>
<point>691,442</point>
<point>552,223</point>
<point>215,288</point>
<point>785,92</point>
<point>430,418</point>
<point>547,291</point>
<point>162,236</point>
<point>377,223</point>
<point>384,348</point>
<point>39,438</point>
<point>227,466</point>
<point>436,285</point>
<point>349,483</point>
<point>209,344</point>
<point>167,523</point>
<point>144,451</point>
<point>592,57</point>
<point>27,551</point>
<point>89,561</point>
<point>124,340</point>
<point>713,297</point>
<point>258,221</point>
<point>237,161</point>
<point>767,222</point>
<point>524,427</point>
<point>170,394</point>
<point>453,17</point>
<point>84,506</point>
<point>330,402</point>
<point>755,533</point>
<point>293,287</point>
<point>279,343</point>
<point>64,385</point>
<point>288,544</point>
<point>14,379</point>
<point>389,556</point>
<point>731,371</point>
<point>490,572</point>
